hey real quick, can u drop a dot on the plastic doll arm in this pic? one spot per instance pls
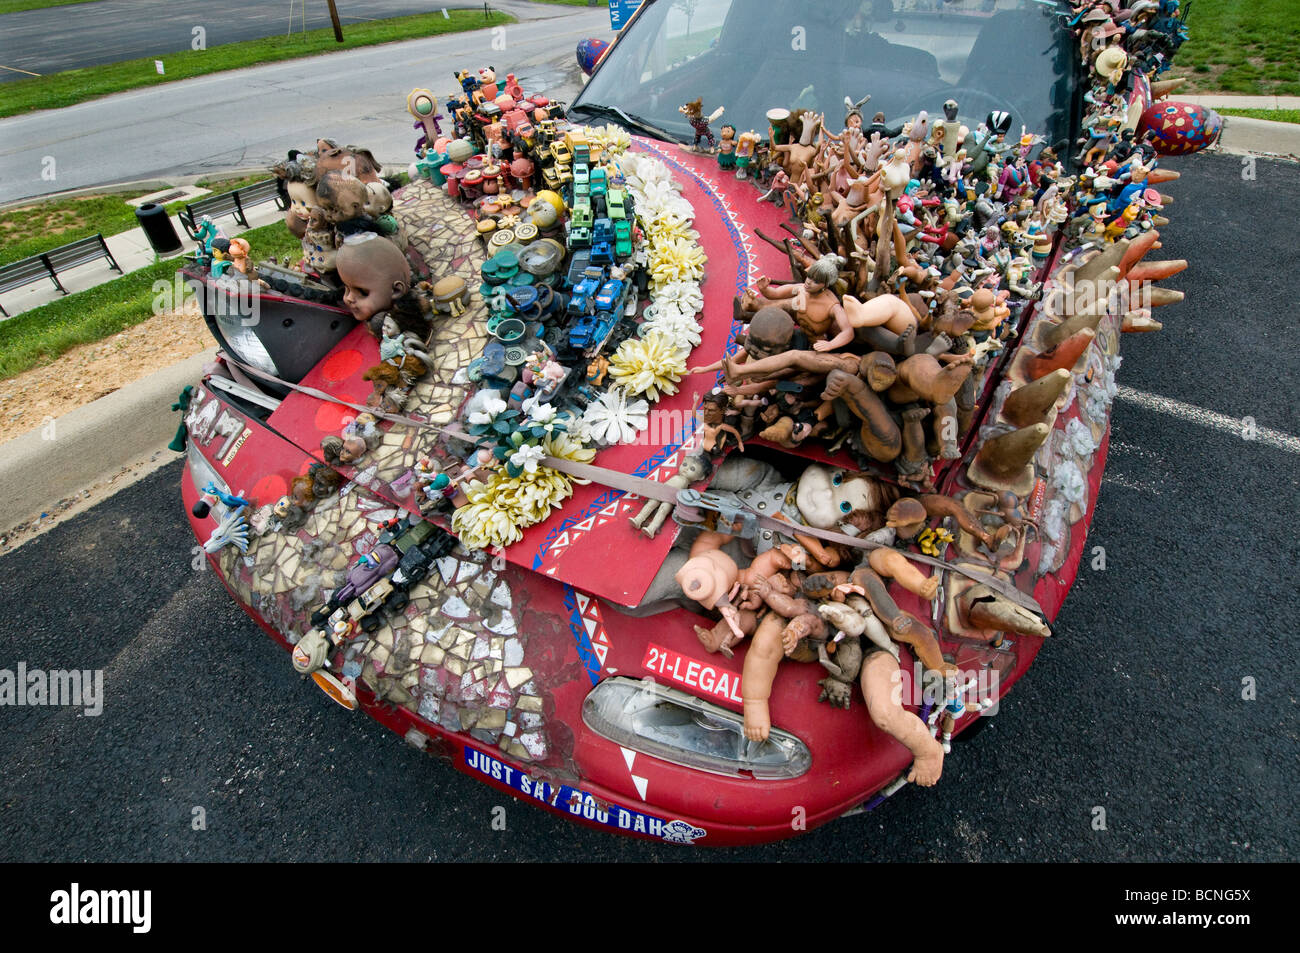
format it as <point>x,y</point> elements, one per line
<point>845,335</point>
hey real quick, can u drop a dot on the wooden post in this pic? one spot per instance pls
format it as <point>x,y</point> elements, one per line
<point>334,18</point>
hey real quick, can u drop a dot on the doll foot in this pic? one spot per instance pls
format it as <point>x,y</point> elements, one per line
<point>907,341</point>
<point>939,345</point>
<point>717,639</point>
<point>758,723</point>
<point>928,766</point>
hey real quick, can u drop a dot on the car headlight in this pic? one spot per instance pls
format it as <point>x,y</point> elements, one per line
<point>202,472</point>
<point>671,725</point>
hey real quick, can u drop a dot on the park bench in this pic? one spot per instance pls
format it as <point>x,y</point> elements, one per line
<point>29,270</point>
<point>234,203</point>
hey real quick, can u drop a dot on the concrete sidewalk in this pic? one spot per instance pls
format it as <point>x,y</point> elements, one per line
<point>130,248</point>
<point>1230,101</point>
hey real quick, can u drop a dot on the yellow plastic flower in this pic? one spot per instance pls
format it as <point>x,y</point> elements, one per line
<point>500,509</point>
<point>651,365</point>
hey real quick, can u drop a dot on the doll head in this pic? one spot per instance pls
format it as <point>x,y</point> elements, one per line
<point>374,272</point>
<point>770,332</point>
<point>836,499</point>
<point>342,196</point>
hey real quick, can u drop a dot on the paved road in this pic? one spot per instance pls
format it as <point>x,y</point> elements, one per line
<point>109,31</point>
<point>1134,706</point>
<point>251,117</point>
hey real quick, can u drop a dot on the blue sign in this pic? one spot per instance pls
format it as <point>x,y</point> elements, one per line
<point>620,11</point>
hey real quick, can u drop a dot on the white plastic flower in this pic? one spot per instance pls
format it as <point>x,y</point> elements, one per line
<point>527,457</point>
<point>489,404</point>
<point>1078,438</point>
<point>685,296</point>
<point>612,419</point>
<point>680,328</point>
<point>537,411</point>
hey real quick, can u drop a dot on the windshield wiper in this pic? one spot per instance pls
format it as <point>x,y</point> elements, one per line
<point>633,123</point>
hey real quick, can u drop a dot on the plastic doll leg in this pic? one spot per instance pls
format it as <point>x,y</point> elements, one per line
<point>761,662</point>
<point>879,679</point>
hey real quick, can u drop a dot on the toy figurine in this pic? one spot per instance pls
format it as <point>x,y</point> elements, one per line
<point>727,148</point>
<point>694,113</point>
<point>879,677</point>
<point>814,305</point>
<point>652,516</point>
<point>713,429</point>
<point>746,145</point>
<point>423,105</point>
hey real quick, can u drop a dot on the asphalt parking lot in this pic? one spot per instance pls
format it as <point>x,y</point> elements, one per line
<point>1135,706</point>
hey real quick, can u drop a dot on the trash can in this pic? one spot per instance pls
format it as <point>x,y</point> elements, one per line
<point>158,228</point>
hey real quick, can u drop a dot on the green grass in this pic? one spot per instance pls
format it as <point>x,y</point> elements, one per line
<point>79,85</point>
<point>39,336</point>
<point>1250,47</point>
<point>32,229</point>
<point>13,6</point>
<point>1275,115</point>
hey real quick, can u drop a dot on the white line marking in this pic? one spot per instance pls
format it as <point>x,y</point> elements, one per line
<point>1208,418</point>
<point>1118,479</point>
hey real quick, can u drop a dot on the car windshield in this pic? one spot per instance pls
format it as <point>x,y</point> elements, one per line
<point>908,55</point>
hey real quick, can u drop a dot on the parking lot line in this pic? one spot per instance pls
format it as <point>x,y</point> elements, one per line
<point>1237,426</point>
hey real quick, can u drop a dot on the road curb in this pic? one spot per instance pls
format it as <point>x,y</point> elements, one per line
<point>92,444</point>
<point>1244,136</point>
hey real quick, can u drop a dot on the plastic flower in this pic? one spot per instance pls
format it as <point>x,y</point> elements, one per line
<point>537,411</point>
<point>677,260</point>
<point>685,296</point>
<point>487,408</point>
<point>612,419</point>
<point>681,328</point>
<point>527,457</point>
<point>566,446</point>
<point>651,365</point>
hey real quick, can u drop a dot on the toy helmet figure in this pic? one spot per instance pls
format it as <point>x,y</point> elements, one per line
<point>421,103</point>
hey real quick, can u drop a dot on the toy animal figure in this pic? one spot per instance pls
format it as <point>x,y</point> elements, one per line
<point>694,113</point>
<point>206,233</point>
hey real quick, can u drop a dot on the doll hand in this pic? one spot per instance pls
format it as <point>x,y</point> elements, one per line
<point>845,589</point>
<point>761,587</point>
<point>821,345</point>
<point>835,692</point>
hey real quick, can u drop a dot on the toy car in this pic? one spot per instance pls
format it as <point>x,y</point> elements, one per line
<point>622,239</point>
<point>555,652</point>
